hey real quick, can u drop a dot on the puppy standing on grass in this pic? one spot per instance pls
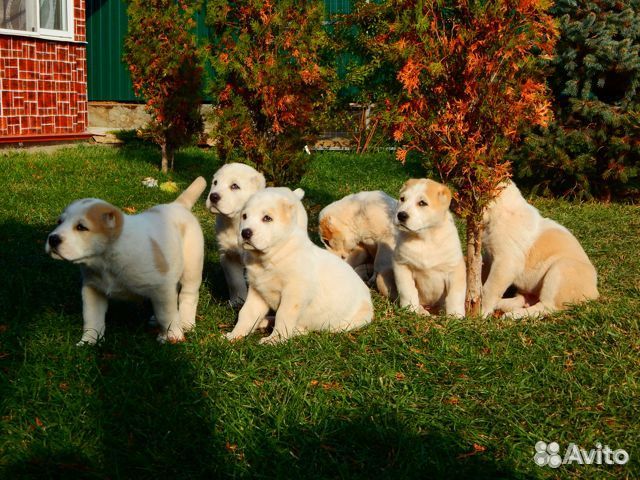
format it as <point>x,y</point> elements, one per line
<point>540,257</point>
<point>308,287</point>
<point>232,185</point>
<point>428,264</point>
<point>157,254</point>
<point>359,229</point>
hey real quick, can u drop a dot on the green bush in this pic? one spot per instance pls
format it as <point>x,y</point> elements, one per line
<point>164,61</point>
<point>268,83</point>
<point>592,149</point>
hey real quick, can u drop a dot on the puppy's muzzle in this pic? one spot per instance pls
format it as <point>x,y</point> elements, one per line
<point>54,241</point>
<point>214,198</point>
<point>246,233</point>
<point>403,216</point>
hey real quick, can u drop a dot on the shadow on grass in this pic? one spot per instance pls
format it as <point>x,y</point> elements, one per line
<point>133,399</point>
<point>377,444</point>
<point>161,426</point>
<point>147,416</point>
<point>32,281</point>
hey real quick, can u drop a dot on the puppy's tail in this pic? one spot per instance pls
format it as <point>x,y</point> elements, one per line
<point>190,196</point>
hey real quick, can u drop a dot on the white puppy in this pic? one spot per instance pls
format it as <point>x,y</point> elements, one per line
<point>308,287</point>
<point>359,229</point>
<point>157,254</point>
<point>232,185</point>
<point>428,264</point>
<point>540,257</point>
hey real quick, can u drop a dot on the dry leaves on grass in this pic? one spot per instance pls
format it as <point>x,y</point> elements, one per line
<point>326,385</point>
<point>476,449</point>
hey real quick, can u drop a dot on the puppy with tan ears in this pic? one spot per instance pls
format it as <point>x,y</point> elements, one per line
<point>359,229</point>
<point>232,185</point>
<point>428,264</point>
<point>157,254</point>
<point>540,257</point>
<point>308,287</point>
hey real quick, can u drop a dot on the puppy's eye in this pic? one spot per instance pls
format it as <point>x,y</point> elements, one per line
<point>215,182</point>
<point>81,228</point>
<point>326,242</point>
<point>59,221</point>
<point>422,203</point>
<point>234,186</point>
<point>267,218</point>
<point>402,199</point>
<point>244,216</point>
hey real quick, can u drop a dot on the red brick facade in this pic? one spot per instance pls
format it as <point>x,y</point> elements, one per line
<point>43,85</point>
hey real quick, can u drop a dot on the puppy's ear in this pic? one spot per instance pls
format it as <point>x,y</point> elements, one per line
<point>326,228</point>
<point>444,196</point>
<point>106,219</point>
<point>286,210</point>
<point>259,181</point>
<point>298,192</point>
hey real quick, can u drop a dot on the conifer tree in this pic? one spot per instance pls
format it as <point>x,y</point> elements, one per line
<point>269,81</point>
<point>164,61</point>
<point>593,147</point>
<point>469,77</point>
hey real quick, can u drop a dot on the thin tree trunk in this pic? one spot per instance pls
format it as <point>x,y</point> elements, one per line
<point>165,158</point>
<point>473,302</point>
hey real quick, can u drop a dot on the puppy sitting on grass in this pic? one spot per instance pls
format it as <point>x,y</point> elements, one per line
<point>359,229</point>
<point>428,263</point>
<point>541,258</point>
<point>157,254</point>
<point>308,287</point>
<point>232,185</point>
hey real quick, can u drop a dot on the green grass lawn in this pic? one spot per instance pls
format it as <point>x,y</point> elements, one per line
<point>406,397</point>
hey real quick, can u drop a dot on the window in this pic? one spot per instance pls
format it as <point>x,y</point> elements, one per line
<point>47,18</point>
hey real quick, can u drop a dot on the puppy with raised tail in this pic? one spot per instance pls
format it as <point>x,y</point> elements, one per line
<point>359,229</point>
<point>157,254</point>
<point>428,263</point>
<point>232,185</point>
<point>308,287</point>
<point>540,257</point>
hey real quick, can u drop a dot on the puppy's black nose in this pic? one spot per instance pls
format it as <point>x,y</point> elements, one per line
<point>54,241</point>
<point>246,233</point>
<point>402,216</point>
<point>214,197</point>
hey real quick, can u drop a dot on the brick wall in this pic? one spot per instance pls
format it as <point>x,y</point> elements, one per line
<point>43,84</point>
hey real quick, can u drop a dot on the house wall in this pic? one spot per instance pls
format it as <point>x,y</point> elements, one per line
<point>43,85</point>
<point>109,79</point>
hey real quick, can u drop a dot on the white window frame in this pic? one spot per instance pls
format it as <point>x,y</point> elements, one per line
<point>33,19</point>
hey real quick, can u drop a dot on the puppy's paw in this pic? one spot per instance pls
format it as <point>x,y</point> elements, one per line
<point>188,326</point>
<point>89,338</point>
<point>420,310</point>
<point>486,313</point>
<point>171,337</point>
<point>271,340</point>
<point>232,337</point>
